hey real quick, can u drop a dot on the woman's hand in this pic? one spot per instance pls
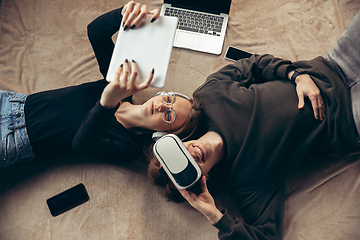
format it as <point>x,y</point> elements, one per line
<point>123,85</point>
<point>305,87</point>
<point>133,13</point>
<point>204,202</point>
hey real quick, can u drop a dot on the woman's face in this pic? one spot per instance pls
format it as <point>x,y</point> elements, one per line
<point>207,151</point>
<point>154,108</point>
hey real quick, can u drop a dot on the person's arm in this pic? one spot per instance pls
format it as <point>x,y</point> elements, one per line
<point>90,139</point>
<point>101,30</point>
<point>256,69</point>
<point>262,213</point>
<point>262,68</point>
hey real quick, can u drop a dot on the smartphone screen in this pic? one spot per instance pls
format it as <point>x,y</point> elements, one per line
<point>235,54</point>
<point>67,200</point>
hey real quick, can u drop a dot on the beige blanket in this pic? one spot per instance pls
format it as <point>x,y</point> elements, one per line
<point>43,45</point>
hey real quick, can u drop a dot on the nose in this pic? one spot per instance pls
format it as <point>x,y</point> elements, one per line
<point>162,107</point>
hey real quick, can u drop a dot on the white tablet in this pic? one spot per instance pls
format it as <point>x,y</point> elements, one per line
<point>149,45</point>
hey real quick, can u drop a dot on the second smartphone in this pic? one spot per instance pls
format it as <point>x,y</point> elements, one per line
<point>67,200</point>
<point>235,54</point>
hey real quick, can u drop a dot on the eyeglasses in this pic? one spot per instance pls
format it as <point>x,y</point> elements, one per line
<point>169,115</point>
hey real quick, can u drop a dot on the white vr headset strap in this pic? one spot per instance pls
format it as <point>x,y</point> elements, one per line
<point>176,94</point>
<point>157,135</point>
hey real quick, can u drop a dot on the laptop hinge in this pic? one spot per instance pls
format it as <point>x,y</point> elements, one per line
<point>195,9</point>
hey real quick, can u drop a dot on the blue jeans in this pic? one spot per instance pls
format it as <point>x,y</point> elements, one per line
<point>346,55</point>
<point>15,144</point>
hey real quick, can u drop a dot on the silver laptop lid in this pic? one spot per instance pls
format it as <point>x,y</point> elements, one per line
<point>210,6</point>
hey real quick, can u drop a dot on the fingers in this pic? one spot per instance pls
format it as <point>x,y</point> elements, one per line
<point>184,193</point>
<point>134,73</point>
<point>140,16</point>
<point>125,74</point>
<point>315,107</point>
<point>133,13</point>
<point>118,73</point>
<point>187,196</point>
<point>128,8</point>
<point>155,14</point>
<point>301,100</point>
<point>203,184</point>
<point>147,83</point>
<point>322,111</point>
<point>305,87</point>
<point>126,78</point>
<point>318,107</point>
<point>136,16</point>
<point>191,197</point>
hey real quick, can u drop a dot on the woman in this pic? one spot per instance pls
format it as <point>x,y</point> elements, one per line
<point>94,118</point>
<point>266,137</point>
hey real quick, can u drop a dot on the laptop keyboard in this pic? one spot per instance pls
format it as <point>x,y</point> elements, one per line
<point>196,22</point>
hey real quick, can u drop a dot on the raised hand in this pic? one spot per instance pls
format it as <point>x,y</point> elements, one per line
<point>123,85</point>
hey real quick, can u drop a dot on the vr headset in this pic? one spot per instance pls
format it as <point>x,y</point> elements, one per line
<point>177,162</point>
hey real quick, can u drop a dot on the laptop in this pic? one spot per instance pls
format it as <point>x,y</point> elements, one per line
<point>202,23</point>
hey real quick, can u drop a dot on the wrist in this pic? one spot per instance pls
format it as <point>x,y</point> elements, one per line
<point>290,74</point>
<point>295,74</point>
<point>215,217</point>
<point>108,104</point>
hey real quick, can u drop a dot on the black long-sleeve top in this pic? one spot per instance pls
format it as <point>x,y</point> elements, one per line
<point>266,137</point>
<point>71,118</point>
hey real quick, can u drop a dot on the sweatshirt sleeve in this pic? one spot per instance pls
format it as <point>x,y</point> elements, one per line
<point>262,213</point>
<point>256,69</point>
<point>90,139</point>
<point>100,32</point>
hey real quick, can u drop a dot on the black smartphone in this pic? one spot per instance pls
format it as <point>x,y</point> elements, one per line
<point>235,54</point>
<point>67,200</point>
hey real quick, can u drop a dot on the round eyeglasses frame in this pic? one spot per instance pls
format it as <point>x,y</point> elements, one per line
<point>169,99</point>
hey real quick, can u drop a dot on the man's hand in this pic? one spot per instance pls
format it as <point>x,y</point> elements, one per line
<point>305,87</point>
<point>204,202</point>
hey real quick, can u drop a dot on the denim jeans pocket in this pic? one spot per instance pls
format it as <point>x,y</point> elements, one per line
<point>15,144</point>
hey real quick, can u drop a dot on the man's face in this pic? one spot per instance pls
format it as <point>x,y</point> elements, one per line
<point>206,151</point>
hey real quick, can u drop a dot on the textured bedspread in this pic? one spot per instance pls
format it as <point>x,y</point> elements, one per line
<point>43,45</point>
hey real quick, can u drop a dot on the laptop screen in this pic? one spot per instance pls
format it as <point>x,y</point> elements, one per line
<point>212,6</point>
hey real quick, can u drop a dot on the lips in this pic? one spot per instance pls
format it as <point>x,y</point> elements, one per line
<point>152,108</point>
